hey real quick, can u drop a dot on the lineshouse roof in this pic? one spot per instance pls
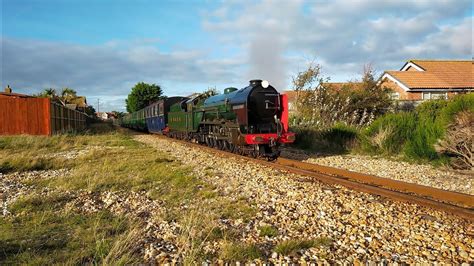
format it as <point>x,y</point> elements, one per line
<point>435,74</point>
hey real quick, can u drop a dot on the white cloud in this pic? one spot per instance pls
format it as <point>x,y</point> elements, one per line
<point>106,70</point>
<point>267,39</point>
<point>343,35</point>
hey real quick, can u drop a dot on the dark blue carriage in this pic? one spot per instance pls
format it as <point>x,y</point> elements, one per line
<point>156,114</point>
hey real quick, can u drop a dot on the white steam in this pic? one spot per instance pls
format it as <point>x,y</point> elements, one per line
<point>267,61</point>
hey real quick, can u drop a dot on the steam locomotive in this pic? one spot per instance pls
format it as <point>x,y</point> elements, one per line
<point>251,121</point>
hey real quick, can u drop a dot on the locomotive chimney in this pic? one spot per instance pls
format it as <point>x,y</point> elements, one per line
<point>255,82</point>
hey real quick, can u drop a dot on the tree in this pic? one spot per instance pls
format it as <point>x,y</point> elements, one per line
<point>141,95</point>
<point>319,104</point>
<point>48,93</point>
<point>211,91</point>
<point>118,114</point>
<point>67,95</point>
<point>90,111</point>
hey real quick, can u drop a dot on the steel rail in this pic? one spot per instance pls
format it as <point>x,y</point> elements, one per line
<point>459,204</point>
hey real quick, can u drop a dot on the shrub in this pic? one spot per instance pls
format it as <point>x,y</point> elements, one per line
<point>337,139</point>
<point>463,102</point>
<point>318,103</point>
<point>401,127</point>
<point>459,141</point>
<point>414,134</point>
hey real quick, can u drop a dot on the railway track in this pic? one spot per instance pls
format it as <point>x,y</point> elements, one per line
<point>459,204</point>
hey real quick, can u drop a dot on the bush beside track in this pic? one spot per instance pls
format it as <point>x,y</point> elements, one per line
<point>411,136</point>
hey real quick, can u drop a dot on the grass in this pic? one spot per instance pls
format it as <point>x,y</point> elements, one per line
<point>42,231</point>
<point>268,230</point>
<point>289,247</point>
<point>40,235</point>
<point>338,139</point>
<point>233,252</point>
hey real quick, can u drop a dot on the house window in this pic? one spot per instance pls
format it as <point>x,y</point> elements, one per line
<point>435,95</point>
<point>395,95</point>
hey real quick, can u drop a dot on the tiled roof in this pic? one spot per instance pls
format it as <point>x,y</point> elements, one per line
<point>80,101</point>
<point>437,74</point>
<point>291,95</point>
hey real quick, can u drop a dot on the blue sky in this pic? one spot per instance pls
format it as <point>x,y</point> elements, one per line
<point>102,48</point>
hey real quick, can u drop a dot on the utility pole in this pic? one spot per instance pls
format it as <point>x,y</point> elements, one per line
<point>98,106</point>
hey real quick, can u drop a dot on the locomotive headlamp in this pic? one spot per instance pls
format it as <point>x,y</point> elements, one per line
<point>265,84</point>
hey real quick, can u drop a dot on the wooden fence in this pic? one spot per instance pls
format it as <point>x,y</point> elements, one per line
<point>37,116</point>
<point>65,120</point>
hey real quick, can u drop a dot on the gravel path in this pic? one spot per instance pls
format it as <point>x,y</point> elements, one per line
<point>363,227</point>
<point>426,175</point>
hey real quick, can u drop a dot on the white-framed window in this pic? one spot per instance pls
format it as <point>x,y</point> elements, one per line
<point>429,95</point>
<point>394,95</point>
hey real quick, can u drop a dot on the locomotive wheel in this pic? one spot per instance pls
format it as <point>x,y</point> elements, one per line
<point>213,142</point>
<point>231,147</point>
<point>220,145</point>
<point>226,145</point>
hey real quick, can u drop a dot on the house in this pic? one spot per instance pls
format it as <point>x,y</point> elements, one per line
<point>102,115</point>
<point>78,103</point>
<point>106,116</point>
<point>420,80</point>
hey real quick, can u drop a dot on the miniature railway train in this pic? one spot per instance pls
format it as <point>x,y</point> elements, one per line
<point>251,121</point>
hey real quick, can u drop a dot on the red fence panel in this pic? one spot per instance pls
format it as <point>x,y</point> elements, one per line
<point>24,116</point>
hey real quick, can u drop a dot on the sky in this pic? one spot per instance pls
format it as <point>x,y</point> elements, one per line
<point>102,48</point>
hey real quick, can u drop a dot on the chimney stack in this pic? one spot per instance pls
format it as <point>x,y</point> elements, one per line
<point>8,89</point>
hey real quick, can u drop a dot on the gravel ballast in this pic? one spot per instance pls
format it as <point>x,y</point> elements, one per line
<point>355,226</point>
<point>362,227</point>
<point>425,175</point>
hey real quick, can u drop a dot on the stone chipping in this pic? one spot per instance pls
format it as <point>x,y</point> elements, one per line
<point>362,227</point>
<point>422,174</point>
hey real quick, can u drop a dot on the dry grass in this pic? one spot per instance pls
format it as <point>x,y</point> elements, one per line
<point>42,231</point>
<point>239,252</point>
<point>379,139</point>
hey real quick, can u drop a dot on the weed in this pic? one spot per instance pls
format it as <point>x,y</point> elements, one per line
<point>39,234</point>
<point>233,252</point>
<point>268,230</point>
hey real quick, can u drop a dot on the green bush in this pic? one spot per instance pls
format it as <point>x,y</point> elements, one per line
<point>463,102</point>
<point>413,134</point>
<point>337,139</point>
<point>400,126</point>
